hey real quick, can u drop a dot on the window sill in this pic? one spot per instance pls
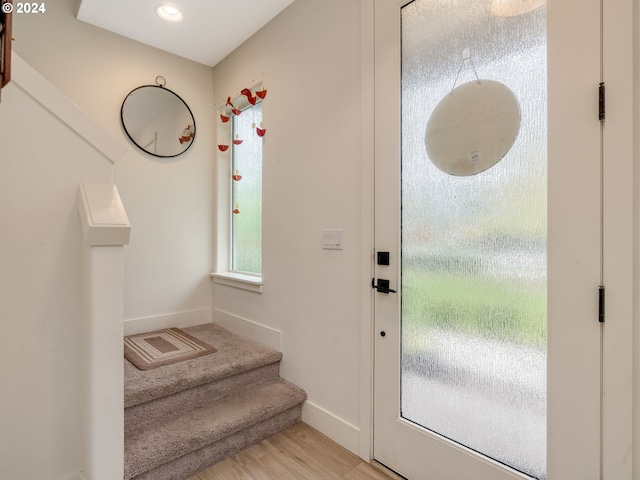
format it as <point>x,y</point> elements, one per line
<point>238,280</point>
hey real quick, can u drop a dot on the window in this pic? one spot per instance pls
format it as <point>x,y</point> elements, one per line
<point>239,202</point>
<point>246,191</point>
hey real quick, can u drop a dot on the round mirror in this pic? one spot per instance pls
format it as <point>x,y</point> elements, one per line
<point>158,121</point>
<point>473,127</point>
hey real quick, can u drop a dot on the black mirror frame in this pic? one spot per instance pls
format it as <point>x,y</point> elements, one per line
<point>132,139</point>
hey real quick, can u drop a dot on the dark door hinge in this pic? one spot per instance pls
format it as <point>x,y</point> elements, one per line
<point>601,102</point>
<point>601,304</point>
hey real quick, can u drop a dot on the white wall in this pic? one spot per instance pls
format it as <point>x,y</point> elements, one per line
<point>41,351</point>
<point>309,59</point>
<point>42,412</point>
<point>168,200</point>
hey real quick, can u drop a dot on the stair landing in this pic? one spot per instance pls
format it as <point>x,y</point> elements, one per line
<point>235,354</point>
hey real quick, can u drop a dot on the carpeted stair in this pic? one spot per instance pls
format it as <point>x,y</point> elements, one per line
<point>182,418</point>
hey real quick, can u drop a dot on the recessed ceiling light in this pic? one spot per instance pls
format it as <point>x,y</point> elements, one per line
<point>169,13</point>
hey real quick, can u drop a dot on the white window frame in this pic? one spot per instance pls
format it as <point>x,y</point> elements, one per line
<point>223,273</point>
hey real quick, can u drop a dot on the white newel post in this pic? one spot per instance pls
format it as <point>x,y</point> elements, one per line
<point>106,230</point>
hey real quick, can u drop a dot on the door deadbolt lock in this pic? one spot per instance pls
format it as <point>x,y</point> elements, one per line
<point>383,258</point>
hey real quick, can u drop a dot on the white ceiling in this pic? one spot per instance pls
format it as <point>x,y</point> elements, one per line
<point>211,29</point>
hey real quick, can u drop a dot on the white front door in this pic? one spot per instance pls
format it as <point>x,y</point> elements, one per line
<point>488,354</point>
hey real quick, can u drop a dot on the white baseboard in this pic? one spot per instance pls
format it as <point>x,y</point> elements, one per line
<point>190,318</point>
<point>325,422</point>
<point>255,331</point>
<point>337,429</point>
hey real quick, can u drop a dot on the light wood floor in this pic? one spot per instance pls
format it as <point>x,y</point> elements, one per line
<point>298,453</point>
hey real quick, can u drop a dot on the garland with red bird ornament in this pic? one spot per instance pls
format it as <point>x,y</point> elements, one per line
<point>233,108</point>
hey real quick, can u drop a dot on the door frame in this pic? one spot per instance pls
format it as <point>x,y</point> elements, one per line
<point>367,223</point>
<point>619,239</point>
<point>619,197</point>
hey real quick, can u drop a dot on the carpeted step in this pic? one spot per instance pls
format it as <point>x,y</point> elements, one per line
<point>166,392</point>
<point>235,354</point>
<point>183,445</point>
<point>194,462</point>
<point>145,415</point>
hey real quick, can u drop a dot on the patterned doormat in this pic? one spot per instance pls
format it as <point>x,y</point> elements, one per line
<point>163,347</point>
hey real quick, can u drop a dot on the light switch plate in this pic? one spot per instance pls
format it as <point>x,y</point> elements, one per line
<point>332,239</point>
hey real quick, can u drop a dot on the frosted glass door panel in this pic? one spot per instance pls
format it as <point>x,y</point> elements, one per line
<point>474,247</point>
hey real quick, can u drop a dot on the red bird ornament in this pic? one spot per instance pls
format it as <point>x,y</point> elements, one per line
<point>250,97</point>
<point>187,135</point>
